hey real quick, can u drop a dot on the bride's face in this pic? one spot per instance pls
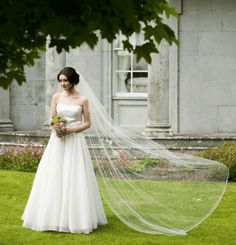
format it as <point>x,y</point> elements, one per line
<point>64,82</point>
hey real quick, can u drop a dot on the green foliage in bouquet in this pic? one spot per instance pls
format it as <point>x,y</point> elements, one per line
<point>224,153</point>
<point>58,119</point>
<point>58,123</point>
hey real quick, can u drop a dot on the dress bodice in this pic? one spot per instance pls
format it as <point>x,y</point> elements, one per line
<point>72,113</point>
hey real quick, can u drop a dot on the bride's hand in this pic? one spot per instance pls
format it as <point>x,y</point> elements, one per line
<point>64,132</point>
<point>68,131</point>
<point>60,133</point>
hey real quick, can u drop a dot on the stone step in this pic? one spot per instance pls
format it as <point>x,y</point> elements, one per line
<point>175,142</point>
<point>194,141</point>
<point>25,136</point>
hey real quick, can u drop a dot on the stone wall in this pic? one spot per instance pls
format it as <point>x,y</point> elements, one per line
<point>27,102</point>
<point>89,63</point>
<point>207,67</point>
<point>202,76</point>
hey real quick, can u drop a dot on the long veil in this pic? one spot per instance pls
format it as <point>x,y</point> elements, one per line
<point>149,188</point>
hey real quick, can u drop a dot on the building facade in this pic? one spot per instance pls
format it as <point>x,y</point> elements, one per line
<point>189,89</point>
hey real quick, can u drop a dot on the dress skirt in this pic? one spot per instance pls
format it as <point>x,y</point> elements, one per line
<point>65,195</point>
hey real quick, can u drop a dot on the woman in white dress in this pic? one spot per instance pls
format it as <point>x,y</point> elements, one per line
<point>65,195</point>
<point>149,188</point>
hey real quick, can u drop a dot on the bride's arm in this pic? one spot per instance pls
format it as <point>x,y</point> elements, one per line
<point>87,121</point>
<point>53,111</point>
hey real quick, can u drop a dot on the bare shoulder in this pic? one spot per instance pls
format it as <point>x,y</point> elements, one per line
<point>55,96</point>
<point>83,99</point>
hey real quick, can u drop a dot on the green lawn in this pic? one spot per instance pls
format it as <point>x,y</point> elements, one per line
<point>219,228</point>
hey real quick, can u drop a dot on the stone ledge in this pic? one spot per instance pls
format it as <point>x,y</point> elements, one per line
<point>46,132</point>
<point>36,132</point>
<point>181,142</point>
<point>6,125</point>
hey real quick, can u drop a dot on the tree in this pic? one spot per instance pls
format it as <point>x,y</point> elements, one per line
<point>26,24</point>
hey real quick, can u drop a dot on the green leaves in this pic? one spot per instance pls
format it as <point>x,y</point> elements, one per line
<point>25,25</point>
<point>169,10</point>
<point>145,50</point>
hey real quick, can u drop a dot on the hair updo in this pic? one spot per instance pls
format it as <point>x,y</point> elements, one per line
<point>71,74</point>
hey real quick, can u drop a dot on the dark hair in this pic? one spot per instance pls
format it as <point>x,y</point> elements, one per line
<point>71,74</point>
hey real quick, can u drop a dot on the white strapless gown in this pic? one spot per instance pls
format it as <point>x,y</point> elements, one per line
<point>65,195</point>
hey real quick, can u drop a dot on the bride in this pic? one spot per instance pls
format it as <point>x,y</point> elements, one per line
<point>149,188</point>
<point>65,196</point>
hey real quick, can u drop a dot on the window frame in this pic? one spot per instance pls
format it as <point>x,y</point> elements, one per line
<point>115,82</point>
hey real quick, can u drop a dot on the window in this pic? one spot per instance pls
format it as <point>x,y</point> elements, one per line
<point>130,77</point>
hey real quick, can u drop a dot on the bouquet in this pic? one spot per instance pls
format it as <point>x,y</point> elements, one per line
<point>58,123</point>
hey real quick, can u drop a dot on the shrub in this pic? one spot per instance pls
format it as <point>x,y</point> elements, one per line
<point>224,153</point>
<point>140,166</point>
<point>21,158</point>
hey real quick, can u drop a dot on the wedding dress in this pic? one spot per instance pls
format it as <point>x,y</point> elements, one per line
<point>65,195</point>
<point>149,188</point>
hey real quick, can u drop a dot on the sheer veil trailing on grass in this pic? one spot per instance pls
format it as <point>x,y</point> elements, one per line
<point>149,188</point>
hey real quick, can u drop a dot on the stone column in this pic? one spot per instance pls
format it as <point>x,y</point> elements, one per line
<point>106,53</point>
<point>158,95</point>
<point>54,63</point>
<point>173,23</point>
<point>5,121</point>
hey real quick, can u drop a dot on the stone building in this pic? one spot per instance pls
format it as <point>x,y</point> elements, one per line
<point>189,89</point>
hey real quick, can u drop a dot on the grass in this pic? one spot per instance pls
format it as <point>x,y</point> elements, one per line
<point>219,228</point>
<point>180,204</point>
